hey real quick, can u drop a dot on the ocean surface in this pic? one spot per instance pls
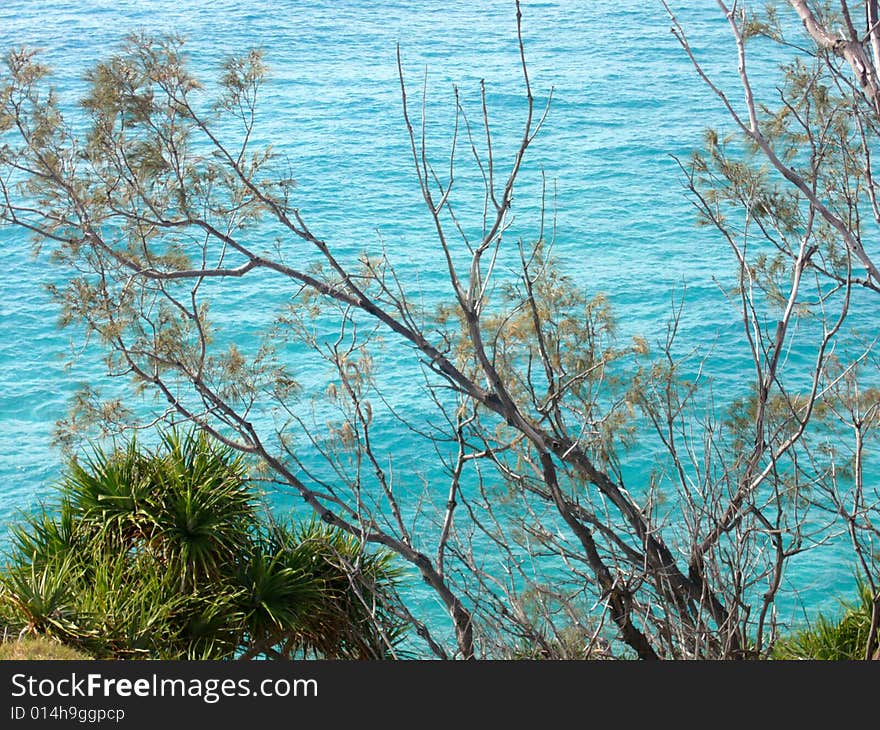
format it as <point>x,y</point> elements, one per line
<point>625,103</point>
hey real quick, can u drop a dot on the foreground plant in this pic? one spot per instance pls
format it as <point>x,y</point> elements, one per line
<point>846,638</point>
<point>162,554</point>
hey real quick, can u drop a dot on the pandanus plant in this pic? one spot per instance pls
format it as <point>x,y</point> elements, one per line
<point>161,553</point>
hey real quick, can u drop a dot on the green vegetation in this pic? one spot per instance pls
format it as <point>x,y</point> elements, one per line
<point>161,554</point>
<point>829,639</point>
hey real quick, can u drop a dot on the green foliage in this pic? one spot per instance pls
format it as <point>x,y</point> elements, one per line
<point>351,618</point>
<point>833,639</point>
<point>160,554</point>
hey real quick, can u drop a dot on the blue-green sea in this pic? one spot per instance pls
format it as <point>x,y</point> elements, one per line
<point>625,104</point>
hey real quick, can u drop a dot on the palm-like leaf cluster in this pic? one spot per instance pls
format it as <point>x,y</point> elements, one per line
<point>844,638</point>
<point>161,554</point>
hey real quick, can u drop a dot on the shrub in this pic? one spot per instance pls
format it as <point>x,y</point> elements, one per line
<point>841,639</point>
<point>161,554</point>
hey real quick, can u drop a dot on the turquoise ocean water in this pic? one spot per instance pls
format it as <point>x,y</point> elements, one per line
<point>625,100</point>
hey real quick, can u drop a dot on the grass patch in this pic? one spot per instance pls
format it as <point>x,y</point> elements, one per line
<point>38,648</point>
